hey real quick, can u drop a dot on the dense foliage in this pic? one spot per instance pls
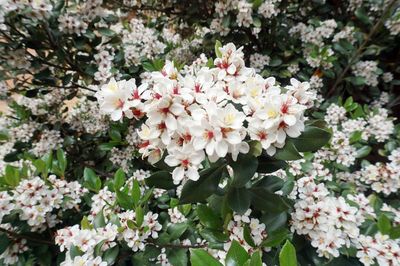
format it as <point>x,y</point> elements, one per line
<point>232,132</point>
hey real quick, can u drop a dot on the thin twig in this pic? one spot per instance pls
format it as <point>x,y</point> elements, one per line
<point>21,236</point>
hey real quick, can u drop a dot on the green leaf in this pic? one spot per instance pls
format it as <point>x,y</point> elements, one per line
<point>11,176</point>
<point>311,139</point>
<point>131,224</point>
<point>91,180</point>
<point>255,259</point>
<point>75,251</point>
<point>4,242</point>
<point>255,148</point>
<point>135,192</point>
<point>257,3</point>
<point>139,216</point>
<point>124,200</point>
<point>160,179</point>
<point>176,230</point>
<point>85,223</point>
<point>106,32</point>
<point>275,62</point>
<point>270,165</point>
<point>244,169</point>
<point>40,167</point>
<point>264,200</point>
<point>207,217</point>
<point>239,200</point>
<point>196,191</point>
<point>148,66</point>
<point>119,179</point>
<point>363,16</point>
<point>363,151</point>
<point>89,34</point>
<point>348,102</point>
<point>178,257</point>
<point>384,224</point>
<point>200,257</point>
<point>287,256</point>
<point>108,146</point>
<point>62,160</point>
<point>114,134</point>
<point>247,236</point>
<point>147,195</point>
<point>355,137</point>
<point>236,255</point>
<point>274,221</point>
<point>271,183</point>
<point>288,152</point>
<point>57,7</point>
<point>217,46</point>
<point>256,22</point>
<point>275,238</point>
<point>110,255</point>
<point>395,232</point>
<point>48,159</point>
<point>99,220</point>
<point>356,81</point>
<point>213,235</point>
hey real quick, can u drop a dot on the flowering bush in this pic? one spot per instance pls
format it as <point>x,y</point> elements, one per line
<point>235,132</point>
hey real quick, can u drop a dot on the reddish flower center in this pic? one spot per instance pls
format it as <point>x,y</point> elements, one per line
<point>262,135</point>
<point>136,95</point>
<point>185,162</point>
<point>120,103</point>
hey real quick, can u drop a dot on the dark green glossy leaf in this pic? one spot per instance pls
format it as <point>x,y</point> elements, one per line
<point>244,169</point>
<point>264,200</point>
<point>91,180</point>
<point>160,179</point>
<point>207,217</point>
<point>200,190</point>
<point>236,255</point>
<point>200,257</point>
<point>239,200</point>
<point>288,153</point>
<point>312,139</point>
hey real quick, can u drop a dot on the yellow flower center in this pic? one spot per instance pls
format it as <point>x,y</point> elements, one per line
<point>229,119</point>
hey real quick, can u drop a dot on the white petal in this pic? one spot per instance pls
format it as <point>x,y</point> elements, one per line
<point>234,138</point>
<point>293,131</point>
<point>171,160</point>
<point>290,120</point>
<point>210,147</point>
<point>178,175</point>
<point>281,136</point>
<point>170,122</point>
<point>192,174</point>
<point>116,115</point>
<point>222,148</point>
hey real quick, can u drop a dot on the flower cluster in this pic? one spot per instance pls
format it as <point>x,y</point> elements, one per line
<point>106,237</point>
<point>378,249</point>
<point>38,201</point>
<point>193,116</point>
<point>86,240</point>
<point>330,222</point>
<point>130,93</point>
<point>382,177</point>
<point>368,70</point>
<point>236,232</point>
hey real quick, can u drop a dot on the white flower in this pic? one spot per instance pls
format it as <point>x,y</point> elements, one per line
<point>186,163</point>
<point>114,98</point>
